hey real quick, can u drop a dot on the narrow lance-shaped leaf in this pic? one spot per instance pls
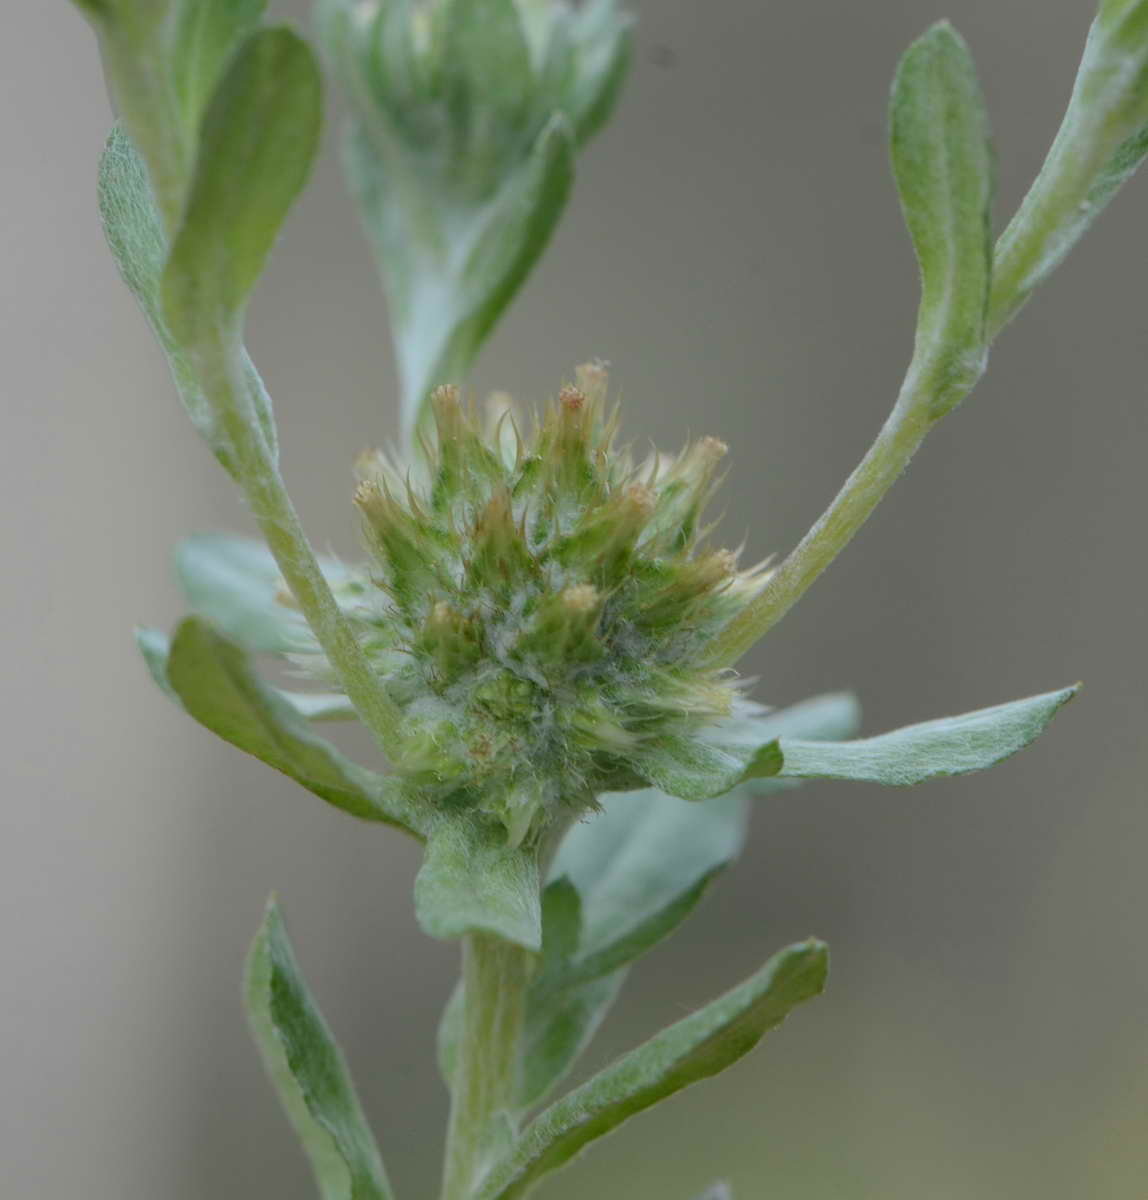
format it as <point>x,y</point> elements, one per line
<point>690,1050</point>
<point>943,166</point>
<point>750,750</point>
<point>216,684</point>
<point>309,1072</point>
<point>471,881</point>
<point>257,142</point>
<point>1100,143</point>
<point>929,750</point>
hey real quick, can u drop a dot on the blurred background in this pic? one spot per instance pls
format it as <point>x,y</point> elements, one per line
<point>735,250</point>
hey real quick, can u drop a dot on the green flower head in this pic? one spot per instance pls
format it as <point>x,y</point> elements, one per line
<point>539,604</point>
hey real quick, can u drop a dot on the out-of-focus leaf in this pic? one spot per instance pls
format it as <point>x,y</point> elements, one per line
<point>309,1072</point>
<point>449,287</point>
<point>639,867</point>
<point>943,165</point>
<point>562,1013</point>
<point>692,1049</point>
<point>135,235</point>
<point>931,749</point>
<point>236,583</point>
<point>311,706</point>
<point>205,35</point>
<point>163,60</point>
<point>216,684</point>
<point>257,142</point>
<point>471,881</point>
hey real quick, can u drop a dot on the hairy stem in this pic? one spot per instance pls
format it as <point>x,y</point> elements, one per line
<point>226,382</point>
<point>495,975</point>
<point>888,456</point>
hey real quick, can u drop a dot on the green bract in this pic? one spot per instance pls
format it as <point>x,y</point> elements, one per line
<point>538,606</point>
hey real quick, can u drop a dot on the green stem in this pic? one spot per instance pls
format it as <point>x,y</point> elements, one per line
<point>226,382</point>
<point>888,456</point>
<point>495,975</point>
<point>1062,201</point>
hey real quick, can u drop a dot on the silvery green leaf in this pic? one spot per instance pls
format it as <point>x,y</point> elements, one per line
<point>217,685</point>
<point>1100,144</point>
<point>465,118</point>
<point>719,1191</point>
<point>235,582</point>
<point>321,706</point>
<point>709,762</point>
<point>486,76</point>
<point>742,748</point>
<point>256,145</point>
<point>603,42</point>
<point>163,59</point>
<point>622,881</point>
<point>155,647</point>
<point>562,1012</point>
<point>943,166</point>
<point>449,283</point>
<point>639,867</point>
<point>690,1050</point>
<point>520,223</point>
<point>471,881</point>
<point>930,750</point>
<point>135,235</point>
<point>309,1072</point>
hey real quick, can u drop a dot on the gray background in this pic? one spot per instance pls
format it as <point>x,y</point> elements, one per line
<point>735,249</point>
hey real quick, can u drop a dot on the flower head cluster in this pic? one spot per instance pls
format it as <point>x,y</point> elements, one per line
<point>540,604</point>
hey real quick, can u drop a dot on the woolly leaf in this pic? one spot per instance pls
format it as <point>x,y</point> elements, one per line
<point>217,685</point>
<point>236,584</point>
<point>308,1071</point>
<point>256,145</point>
<point>743,748</point>
<point>155,647</point>
<point>694,1048</point>
<point>135,235</point>
<point>929,750</point>
<point>943,165</point>
<point>472,881</point>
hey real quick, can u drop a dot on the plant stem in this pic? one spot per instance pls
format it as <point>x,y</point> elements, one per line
<point>495,975</point>
<point>1052,216</point>
<point>227,384</point>
<point>889,455</point>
